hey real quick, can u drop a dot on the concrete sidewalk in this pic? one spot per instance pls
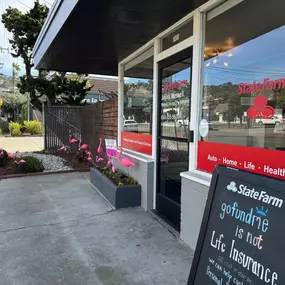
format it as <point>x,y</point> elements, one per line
<point>57,229</point>
<point>23,144</point>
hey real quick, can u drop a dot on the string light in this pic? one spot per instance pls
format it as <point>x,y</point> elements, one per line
<point>225,63</point>
<point>215,61</point>
<point>230,55</point>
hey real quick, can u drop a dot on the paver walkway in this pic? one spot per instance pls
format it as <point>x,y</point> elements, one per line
<point>57,229</point>
<point>23,144</point>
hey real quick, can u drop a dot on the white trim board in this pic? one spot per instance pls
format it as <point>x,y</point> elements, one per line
<point>198,176</point>
<point>222,8</point>
<point>140,58</point>
<point>175,49</point>
<point>137,155</point>
<point>120,101</point>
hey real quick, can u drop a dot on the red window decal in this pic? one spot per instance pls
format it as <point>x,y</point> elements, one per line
<point>260,108</point>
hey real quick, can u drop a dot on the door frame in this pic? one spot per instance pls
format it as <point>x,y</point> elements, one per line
<point>162,201</point>
<point>159,56</point>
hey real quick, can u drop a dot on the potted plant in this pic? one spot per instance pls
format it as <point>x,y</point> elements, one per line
<point>121,190</point>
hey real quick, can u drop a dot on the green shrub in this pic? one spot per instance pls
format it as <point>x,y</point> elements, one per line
<point>15,129</point>
<point>32,165</point>
<point>3,158</point>
<point>34,127</point>
<point>4,126</point>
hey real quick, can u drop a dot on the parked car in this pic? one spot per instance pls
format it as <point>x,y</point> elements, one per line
<point>182,122</point>
<point>130,126</point>
<point>185,122</point>
<point>275,120</point>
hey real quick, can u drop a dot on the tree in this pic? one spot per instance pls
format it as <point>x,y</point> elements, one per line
<point>12,104</point>
<point>25,29</point>
<point>236,109</point>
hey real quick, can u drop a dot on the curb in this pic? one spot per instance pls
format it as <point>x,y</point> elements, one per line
<point>43,173</point>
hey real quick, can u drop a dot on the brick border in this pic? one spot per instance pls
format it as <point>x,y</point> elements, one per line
<point>43,173</point>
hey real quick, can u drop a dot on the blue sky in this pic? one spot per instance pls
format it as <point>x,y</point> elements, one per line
<point>262,57</point>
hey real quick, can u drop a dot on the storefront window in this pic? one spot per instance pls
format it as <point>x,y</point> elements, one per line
<point>138,99</point>
<point>243,103</point>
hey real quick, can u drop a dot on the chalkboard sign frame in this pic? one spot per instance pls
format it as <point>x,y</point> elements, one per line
<point>264,181</point>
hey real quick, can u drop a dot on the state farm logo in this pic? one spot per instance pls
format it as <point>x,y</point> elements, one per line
<point>254,194</point>
<point>260,109</point>
<point>232,187</point>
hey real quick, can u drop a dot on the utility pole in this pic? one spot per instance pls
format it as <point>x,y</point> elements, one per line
<point>13,75</point>
<point>2,50</point>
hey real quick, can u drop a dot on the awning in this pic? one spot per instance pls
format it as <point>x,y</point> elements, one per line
<point>93,36</point>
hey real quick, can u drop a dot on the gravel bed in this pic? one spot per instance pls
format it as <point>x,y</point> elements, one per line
<point>50,162</point>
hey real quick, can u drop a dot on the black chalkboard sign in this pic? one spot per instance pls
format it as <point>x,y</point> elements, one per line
<point>242,237</point>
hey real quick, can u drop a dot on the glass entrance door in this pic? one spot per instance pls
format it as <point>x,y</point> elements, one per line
<point>173,133</point>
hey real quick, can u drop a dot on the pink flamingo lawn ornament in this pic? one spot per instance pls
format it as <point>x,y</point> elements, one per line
<point>20,162</point>
<point>126,161</point>
<point>165,156</point>
<point>84,146</point>
<point>89,155</point>
<point>111,162</point>
<point>99,159</point>
<point>100,149</point>
<point>11,156</point>
<point>64,148</point>
<point>71,140</point>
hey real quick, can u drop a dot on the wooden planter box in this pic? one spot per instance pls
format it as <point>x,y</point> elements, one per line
<point>119,196</point>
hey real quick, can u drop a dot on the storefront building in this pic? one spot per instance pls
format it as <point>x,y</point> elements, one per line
<point>208,90</point>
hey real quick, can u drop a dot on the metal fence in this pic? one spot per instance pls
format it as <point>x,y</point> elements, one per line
<point>90,123</point>
<point>61,123</point>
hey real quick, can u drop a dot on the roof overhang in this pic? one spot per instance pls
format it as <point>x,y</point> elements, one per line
<point>93,36</point>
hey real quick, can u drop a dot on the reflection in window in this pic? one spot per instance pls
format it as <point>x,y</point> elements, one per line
<point>138,96</point>
<point>244,76</point>
<point>138,105</point>
<point>175,99</point>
